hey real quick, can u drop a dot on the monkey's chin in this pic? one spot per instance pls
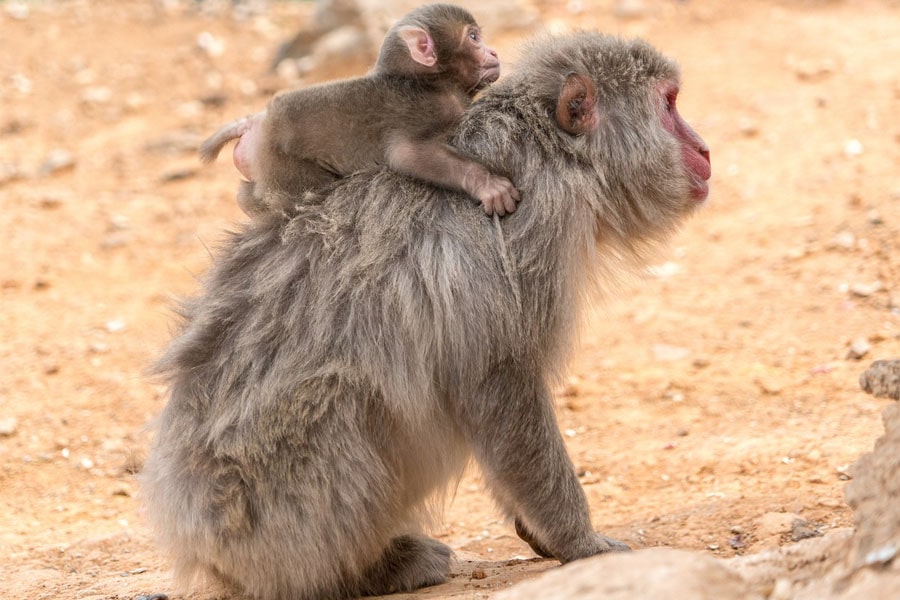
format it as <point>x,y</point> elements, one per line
<point>699,191</point>
<point>489,76</point>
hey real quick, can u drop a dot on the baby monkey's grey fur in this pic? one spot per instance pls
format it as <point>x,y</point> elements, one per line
<point>431,64</point>
<point>341,366</point>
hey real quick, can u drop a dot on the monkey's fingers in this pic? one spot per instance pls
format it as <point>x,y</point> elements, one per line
<point>499,197</point>
<point>511,198</point>
<point>609,544</point>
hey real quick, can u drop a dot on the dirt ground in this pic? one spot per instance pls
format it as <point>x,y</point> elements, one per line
<point>720,389</point>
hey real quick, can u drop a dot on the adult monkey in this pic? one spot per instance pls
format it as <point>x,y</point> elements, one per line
<point>340,367</point>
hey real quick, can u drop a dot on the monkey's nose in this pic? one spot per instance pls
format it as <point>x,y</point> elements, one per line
<point>704,152</point>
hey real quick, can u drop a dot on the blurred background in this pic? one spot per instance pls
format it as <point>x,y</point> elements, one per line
<point>717,391</point>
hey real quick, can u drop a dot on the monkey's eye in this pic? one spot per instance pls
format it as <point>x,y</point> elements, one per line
<point>670,100</point>
<point>474,35</point>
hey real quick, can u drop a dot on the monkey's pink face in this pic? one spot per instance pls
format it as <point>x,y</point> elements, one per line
<point>483,63</point>
<point>694,151</point>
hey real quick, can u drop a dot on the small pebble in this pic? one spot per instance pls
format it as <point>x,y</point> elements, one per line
<point>211,45</point>
<point>8,426</point>
<point>630,9</point>
<point>115,326</point>
<point>9,172</point>
<point>853,148</point>
<point>21,84</point>
<point>666,353</point>
<point>97,95</point>
<point>17,10</point>
<point>801,530</point>
<point>874,217</point>
<point>864,290</point>
<point>844,472</point>
<point>57,161</point>
<point>844,240</point>
<point>858,349</point>
<point>770,386</point>
<point>748,128</point>
<point>881,556</point>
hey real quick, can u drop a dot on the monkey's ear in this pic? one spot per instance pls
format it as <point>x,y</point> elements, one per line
<point>576,108</point>
<point>420,44</point>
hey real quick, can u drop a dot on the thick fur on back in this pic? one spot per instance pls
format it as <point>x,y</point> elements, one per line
<point>316,381</point>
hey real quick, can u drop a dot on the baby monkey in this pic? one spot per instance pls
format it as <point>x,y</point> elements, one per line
<point>431,65</point>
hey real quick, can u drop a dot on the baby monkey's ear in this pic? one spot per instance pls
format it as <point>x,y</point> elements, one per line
<point>420,44</point>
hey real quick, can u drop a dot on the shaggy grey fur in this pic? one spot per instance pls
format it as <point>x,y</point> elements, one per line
<point>342,362</point>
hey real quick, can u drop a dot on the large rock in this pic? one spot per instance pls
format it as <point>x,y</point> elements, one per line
<point>874,493</point>
<point>652,573</point>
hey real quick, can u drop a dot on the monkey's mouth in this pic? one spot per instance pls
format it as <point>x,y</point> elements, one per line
<point>489,74</point>
<point>700,168</point>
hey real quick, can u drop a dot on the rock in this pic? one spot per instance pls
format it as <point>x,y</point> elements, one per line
<point>21,83</point>
<point>874,217</point>
<point>652,573</point>
<point>770,386</point>
<point>9,172</point>
<point>17,10</point>
<point>210,45</point>
<point>56,162</point>
<point>372,18</point>
<point>845,240</point>
<point>853,148</point>
<point>666,353</point>
<point>893,300</point>
<point>873,495</point>
<point>630,9</point>
<point>809,560</point>
<point>97,95</point>
<point>801,530</point>
<point>864,290</point>
<point>341,44</point>
<point>748,127</point>
<point>115,325</point>
<point>8,426</point>
<point>882,379</point>
<point>858,349</point>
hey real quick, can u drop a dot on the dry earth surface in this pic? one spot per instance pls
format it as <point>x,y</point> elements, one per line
<point>709,407</point>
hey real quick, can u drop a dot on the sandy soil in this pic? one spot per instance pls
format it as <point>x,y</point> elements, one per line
<point>717,391</point>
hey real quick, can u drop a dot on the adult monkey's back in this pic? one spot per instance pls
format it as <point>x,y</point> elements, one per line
<point>340,366</point>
